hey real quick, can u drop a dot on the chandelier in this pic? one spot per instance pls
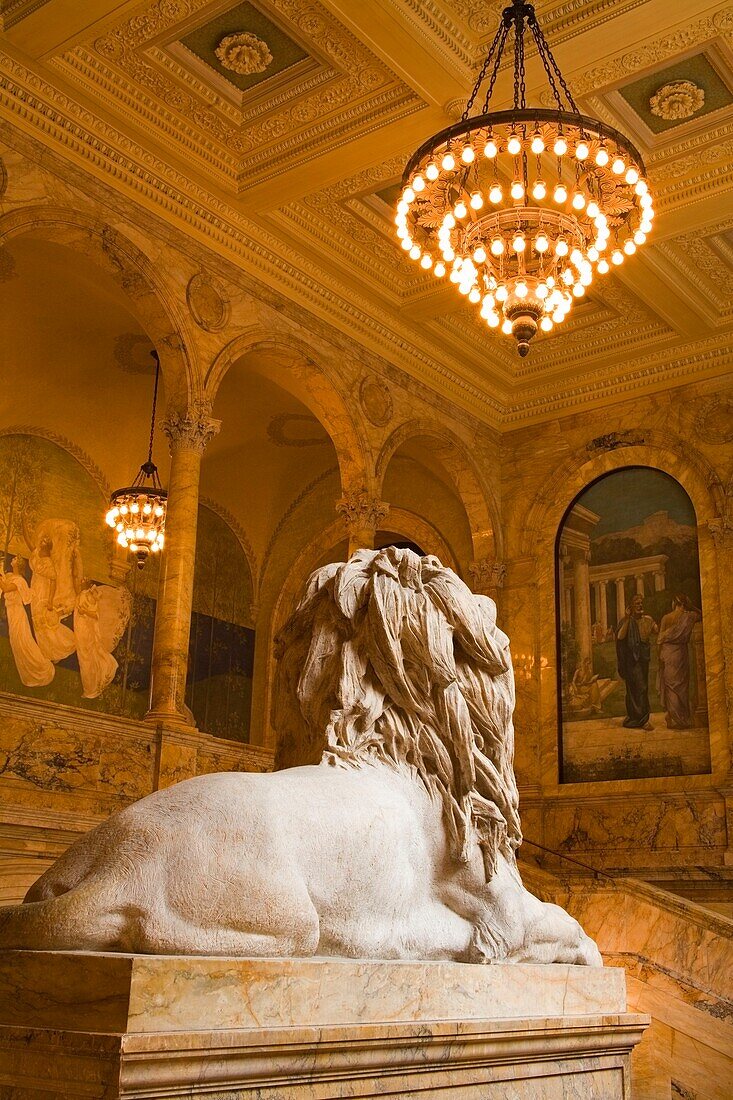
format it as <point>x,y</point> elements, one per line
<point>137,512</point>
<point>521,208</point>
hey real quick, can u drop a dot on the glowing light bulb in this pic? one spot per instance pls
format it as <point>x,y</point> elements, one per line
<point>122,538</point>
<point>110,518</point>
<point>629,248</point>
<point>519,244</point>
<point>123,509</point>
<point>506,328</point>
<point>402,208</point>
<point>418,184</point>
<point>538,144</point>
<point>432,171</point>
<point>567,277</point>
<point>639,237</point>
<point>501,293</point>
<point>546,324</point>
<point>542,291</point>
<point>617,257</point>
<point>632,176</point>
<point>561,247</point>
<point>448,162</point>
<point>495,194</point>
<point>561,193</point>
<point>593,254</point>
<point>517,190</point>
<point>558,316</point>
<point>539,190</point>
<point>619,166</point>
<point>541,243</point>
<point>401,232</point>
<point>582,150</point>
<point>578,200</point>
<point>467,154</point>
<point>521,290</point>
<point>578,290</point>
<point>603,267</point>
<point>641,188</point>
<point>560,147</point>
<point>592,209</point>
<point>602,157</point>
<point>415,252</point>
<point>439,269</point>
<point>514,145</point>
<point>492,320</point>
<point>497,247</point>
<point>460,210</point>
<point>477,200</point>
<point>475,295</point>
<point>479,255</point>
<point>408,195</point>
<point>491,148</point>
<point>426,261</point>
<point>449,221</point>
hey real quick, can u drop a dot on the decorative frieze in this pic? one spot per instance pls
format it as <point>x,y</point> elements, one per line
<point>487,575</point>
<point>361,511</point>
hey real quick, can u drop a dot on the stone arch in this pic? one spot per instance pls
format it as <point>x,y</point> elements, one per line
<point>478,500</point>
<point>318,389</point>
<point>419,530</point>
<point>133,272</point>
<point>683,463</point>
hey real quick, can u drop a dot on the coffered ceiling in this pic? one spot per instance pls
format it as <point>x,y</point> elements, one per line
<point>285,126</point>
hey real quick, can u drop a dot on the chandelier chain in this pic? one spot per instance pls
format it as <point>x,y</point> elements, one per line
<point>156,357</point>
<point>551,68</point>
<point>504,33</point>
<point>500,34</point>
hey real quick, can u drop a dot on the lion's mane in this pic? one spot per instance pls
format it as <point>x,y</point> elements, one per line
<point>390,658</point>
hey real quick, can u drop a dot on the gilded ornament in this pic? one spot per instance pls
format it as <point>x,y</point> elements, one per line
<point>677,100</point>
<point>244,53</point>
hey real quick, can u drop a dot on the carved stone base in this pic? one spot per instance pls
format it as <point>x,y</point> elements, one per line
<point>103,1025</point>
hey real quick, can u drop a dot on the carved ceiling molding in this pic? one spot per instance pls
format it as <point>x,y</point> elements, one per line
<point>711,356</point>
<point>361,90</point>
<point>650,54</point>
<point>702,266</point>
<point>115,156</point>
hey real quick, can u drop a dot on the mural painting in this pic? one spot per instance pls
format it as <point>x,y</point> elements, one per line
<point>221,648</point>
<point>631,653</point>
<point>71,630</point>
<point>77,620</point>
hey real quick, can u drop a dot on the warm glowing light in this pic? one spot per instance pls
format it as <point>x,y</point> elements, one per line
<point>514,145</point>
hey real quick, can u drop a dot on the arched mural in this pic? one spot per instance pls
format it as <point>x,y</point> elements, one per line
<point>221,647</point>
<point>630,633</point>
<point>76,624</point>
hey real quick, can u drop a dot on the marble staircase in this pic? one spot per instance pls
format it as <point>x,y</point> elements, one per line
<point>678,958</point>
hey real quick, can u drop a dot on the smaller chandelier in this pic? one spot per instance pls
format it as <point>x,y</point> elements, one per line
<point>137,512</point>
<point>522,208</point>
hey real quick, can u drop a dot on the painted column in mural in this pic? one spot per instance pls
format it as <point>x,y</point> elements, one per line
<point>362,515</point>
<point>188,435</point>
<point>583,624</point>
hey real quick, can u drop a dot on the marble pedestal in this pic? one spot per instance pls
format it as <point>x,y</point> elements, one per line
<point>108,1025</point>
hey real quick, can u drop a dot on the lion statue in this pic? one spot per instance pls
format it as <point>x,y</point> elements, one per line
<point>394,837</point>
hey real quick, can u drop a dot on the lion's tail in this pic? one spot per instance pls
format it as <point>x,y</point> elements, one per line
<point>85,918</point>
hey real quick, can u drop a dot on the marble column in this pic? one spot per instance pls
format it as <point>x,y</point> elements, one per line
<point>363,514</point>
<point>487,577</point>
<point>581,580</point>
<point>602,606</point>
<point>659,581</point>
<point>188,433</point>
<point>620,599</point>
<point>639,584</point>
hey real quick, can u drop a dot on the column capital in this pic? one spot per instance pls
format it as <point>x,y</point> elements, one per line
<point>487,574</point>
<point>721,528</point>
<point>191,429</point>
<point>361,511</point>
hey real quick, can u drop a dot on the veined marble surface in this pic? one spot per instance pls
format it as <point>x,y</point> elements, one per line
<point>76,1025</point>
<point>151,993</point>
